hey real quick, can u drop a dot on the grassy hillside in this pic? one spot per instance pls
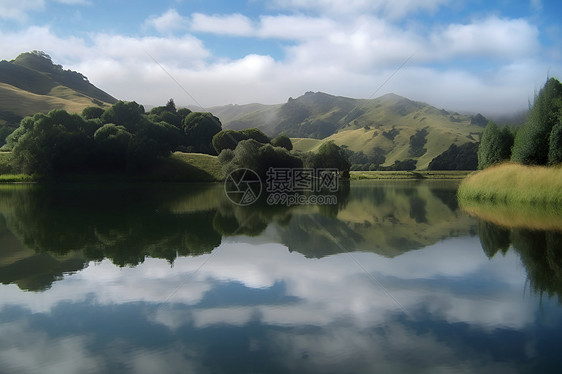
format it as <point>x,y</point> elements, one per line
<point>32,83</point>
<point>239,117</point>
<point>400,128</point>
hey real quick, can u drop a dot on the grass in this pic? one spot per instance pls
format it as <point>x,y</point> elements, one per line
<point>187,167</point>
<point>515,196</point>
<point>24,103</point>
<point>17,178</point>
<point>514,184</point>
<point>408,175</point>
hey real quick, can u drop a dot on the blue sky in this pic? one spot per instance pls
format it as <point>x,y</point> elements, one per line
<point>484,56</point>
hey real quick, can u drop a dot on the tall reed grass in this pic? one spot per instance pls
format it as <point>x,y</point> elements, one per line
<point>515,184</point>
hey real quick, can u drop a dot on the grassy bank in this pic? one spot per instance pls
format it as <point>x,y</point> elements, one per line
<point>360,175</point>
<point>514,184</point>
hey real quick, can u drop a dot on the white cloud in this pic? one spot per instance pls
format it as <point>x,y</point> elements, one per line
<point>18,10</point>
<point>492,37</point>
<point>232,24</point>
<point>168,22</point>
<point>321,53</point>
<point>393,9</point>
<point>296,27</point>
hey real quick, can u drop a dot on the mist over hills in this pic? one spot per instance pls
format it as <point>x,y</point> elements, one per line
<point>389,128</point>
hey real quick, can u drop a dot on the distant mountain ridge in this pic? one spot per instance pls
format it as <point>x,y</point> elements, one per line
<point>32,83</point>
<point>391,128</point>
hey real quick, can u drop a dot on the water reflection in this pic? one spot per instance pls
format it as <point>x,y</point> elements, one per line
<point>52,230</point>
<point>540,252</point>
<point>174,278</point>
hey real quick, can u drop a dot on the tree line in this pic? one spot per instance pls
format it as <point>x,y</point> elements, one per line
<point>537,142</point>
<point>122,137</point>
<point>126,138</point>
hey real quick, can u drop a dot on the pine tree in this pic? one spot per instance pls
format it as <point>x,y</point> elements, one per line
<point>555,144</point>
<point>495,145</point>
<point>531,145</point>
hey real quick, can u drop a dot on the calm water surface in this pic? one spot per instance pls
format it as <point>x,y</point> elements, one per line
<point>176,279</point>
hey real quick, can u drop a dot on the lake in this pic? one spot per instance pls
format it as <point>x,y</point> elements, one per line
<point>174,278</point>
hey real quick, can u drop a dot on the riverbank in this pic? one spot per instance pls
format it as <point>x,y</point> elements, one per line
<point>409,175</point>
<point>514,183</point>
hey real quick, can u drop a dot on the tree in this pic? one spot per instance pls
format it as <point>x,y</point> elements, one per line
<point>199,129</point>
<point>226,139</point>
<point>330,155</point>
<point>92,112</point>
<point>463,157</point>
<point>52,143</point>
<point>229,139</point>
<point>495,145</point>
<point>258,157</point>
<point>531,146</point>
<point>112,144</point>
<point>256,134</point>
<point>555,144</point>
<point>127,114</point>
<point>59,142</point>
<point>282,141</point>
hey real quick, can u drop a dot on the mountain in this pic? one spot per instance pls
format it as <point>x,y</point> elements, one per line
<point>32,83</point>
<point>389,128</point>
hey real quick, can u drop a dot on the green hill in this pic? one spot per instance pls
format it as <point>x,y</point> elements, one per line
<point>391,126</point>
<point>32,83</point>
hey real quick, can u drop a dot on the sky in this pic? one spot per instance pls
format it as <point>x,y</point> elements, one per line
<point>487,56</point>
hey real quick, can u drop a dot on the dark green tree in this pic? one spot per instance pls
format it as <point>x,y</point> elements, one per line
<point>258,157</point>
<point>226,139</point>
<point>128,114</point>
<point>555,144</point>
<point>495,145</point>
<point>282,141</point>
<point>199,129</point>
<point>92,112</point>
<point>256,134</point>
<point>330,155</point>
<point>52,143</point>
<point>229,139</point>
<point>531,146</point>
<point>463,157</point>
<point>112,144</point>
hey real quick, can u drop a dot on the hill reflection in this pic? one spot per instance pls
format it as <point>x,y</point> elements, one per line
<point>48,231</point>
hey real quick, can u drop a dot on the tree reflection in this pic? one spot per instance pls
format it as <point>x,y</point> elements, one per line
<point>493,238</point>
<point>540,253</point>
<point>60,228</point>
